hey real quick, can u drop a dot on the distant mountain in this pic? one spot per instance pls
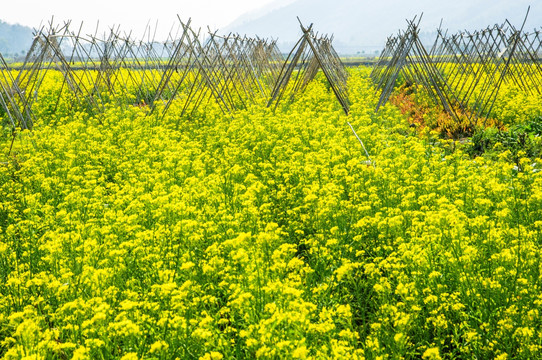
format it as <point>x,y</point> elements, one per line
<point>364,25</point>
<point>15,40</point>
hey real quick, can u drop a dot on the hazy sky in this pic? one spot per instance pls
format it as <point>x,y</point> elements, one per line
<point>130,14</point>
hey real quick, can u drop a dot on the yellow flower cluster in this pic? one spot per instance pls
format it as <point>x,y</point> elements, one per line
<point>263,235</point>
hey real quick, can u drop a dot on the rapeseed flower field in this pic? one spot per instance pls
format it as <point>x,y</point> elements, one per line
<point>264,235</point>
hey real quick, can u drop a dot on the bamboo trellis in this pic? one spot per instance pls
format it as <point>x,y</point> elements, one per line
<point>462,73</point>
<point>310,54</point>
<point>189,67</point>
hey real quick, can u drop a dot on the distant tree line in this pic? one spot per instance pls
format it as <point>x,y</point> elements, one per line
<point>15,40</point>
